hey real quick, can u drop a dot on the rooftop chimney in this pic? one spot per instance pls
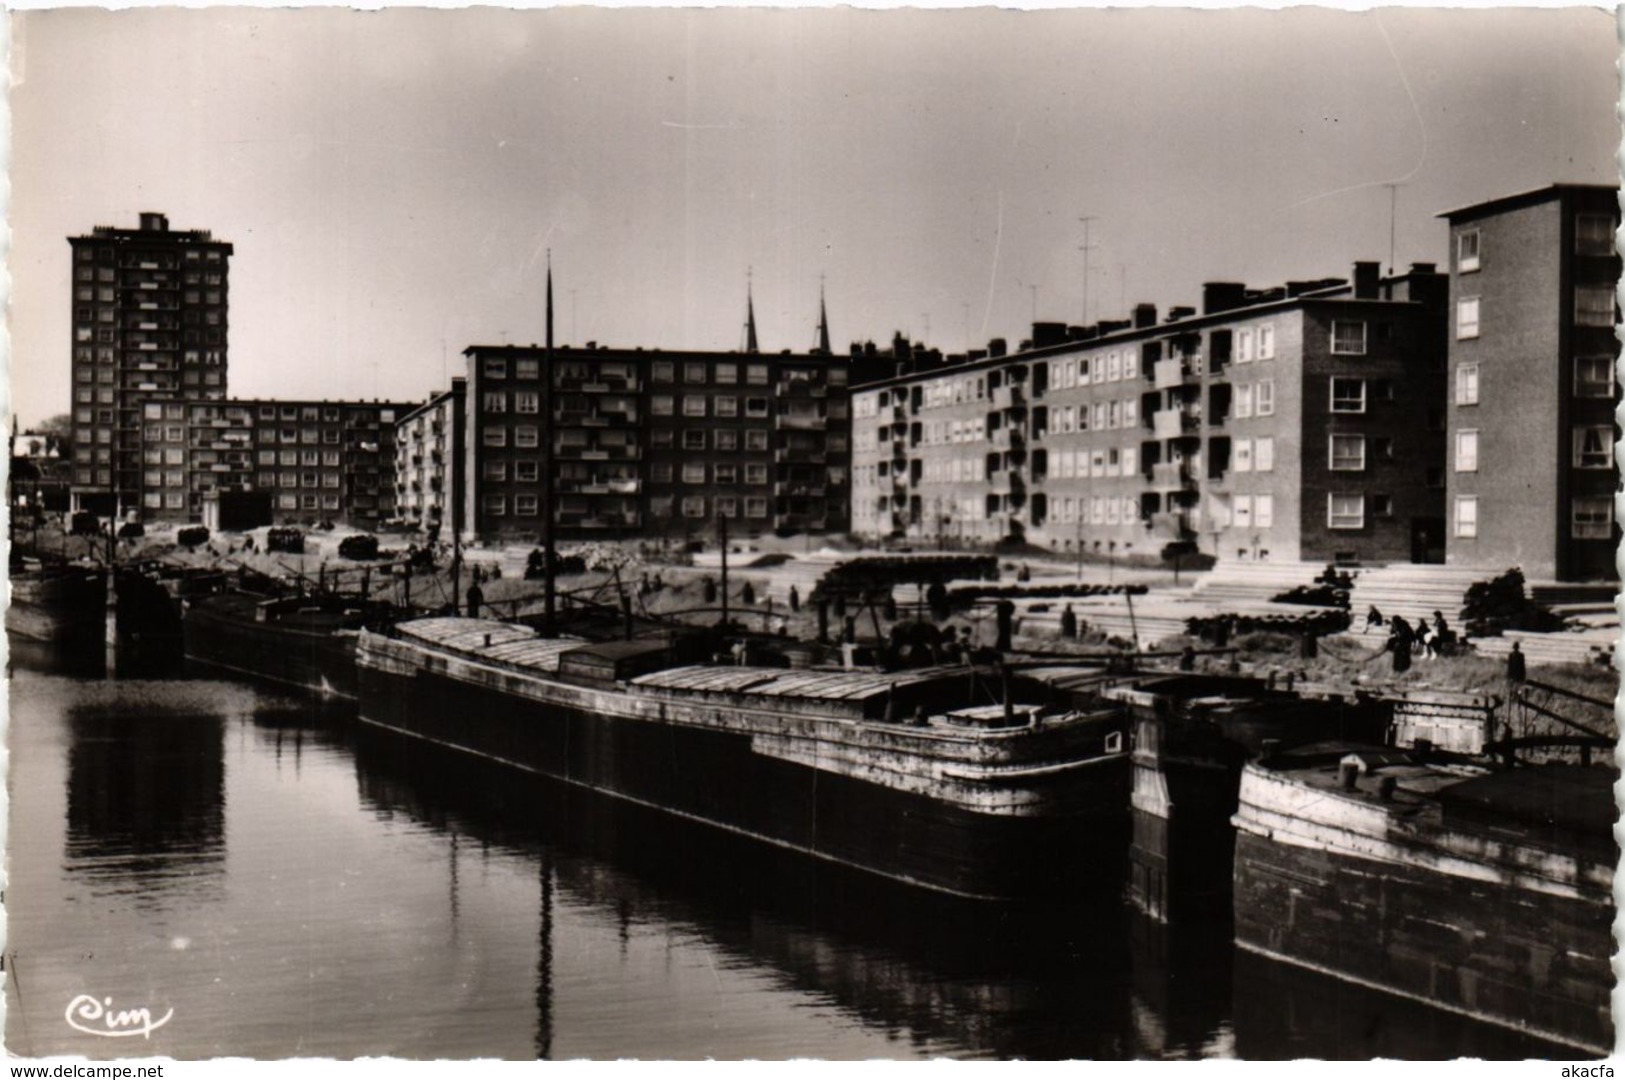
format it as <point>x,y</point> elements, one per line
<point>901,349</point>
<point>997,348</point>
<point>1046,334</point>
<point>1145,315</point>
<point>153,222</point>
<point>1366,276</point>
<point>1177,313</point>
<point>1112,326</point>
<point>1220,296</point>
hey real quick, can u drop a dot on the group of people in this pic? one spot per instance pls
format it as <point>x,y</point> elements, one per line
<point>1404,639</point>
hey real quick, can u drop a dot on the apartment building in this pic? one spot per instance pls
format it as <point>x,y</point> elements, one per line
<point>149,324</point>
<point>428,454</point>
<point>1531,475</point>
<point>655,444</point>
<point>1300,422</point>
<point>319,460</point>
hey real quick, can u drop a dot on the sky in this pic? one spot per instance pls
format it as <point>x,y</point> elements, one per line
<point>393,181</point>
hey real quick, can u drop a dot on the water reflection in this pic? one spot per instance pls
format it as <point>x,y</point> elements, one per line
<point>146,798</point>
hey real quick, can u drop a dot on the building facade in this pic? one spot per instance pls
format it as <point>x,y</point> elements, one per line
<point>429,452</point>
<point>1303,422</point>
<point>1531,476</point>
<point>655,444</point>
<point>150,319</point>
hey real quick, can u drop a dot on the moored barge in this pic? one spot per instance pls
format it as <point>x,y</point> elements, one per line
<point>993,787</point>
<point>1480,890</point>
<point>307,642</point>
<point>58,603</point>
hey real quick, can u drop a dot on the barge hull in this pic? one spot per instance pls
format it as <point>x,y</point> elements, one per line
<point>716,777</point>
<point>1532,961</point>
<point>323,663</point>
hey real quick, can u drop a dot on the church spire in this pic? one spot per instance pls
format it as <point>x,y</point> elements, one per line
<point>750,317</point>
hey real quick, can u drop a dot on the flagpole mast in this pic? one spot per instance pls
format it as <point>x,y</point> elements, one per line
<point>548,464</point>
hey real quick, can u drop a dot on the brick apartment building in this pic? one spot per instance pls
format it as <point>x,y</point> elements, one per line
<point>655,444</point>
<point>149,325</point>
<point>1532,475</point>
<point>1303,422</point>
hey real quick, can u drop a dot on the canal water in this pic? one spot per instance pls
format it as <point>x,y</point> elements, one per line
<point>270,879</point>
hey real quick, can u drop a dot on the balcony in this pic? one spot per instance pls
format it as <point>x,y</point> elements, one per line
<point>1172,476</point>
<point>1170,373</point>
<point>1174,423</point>
<point>814,491</point>
<point>792,422</point>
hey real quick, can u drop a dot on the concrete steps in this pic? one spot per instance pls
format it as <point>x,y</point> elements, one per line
<point>1230,582</point>
<point>1589,647</point>
<point>1415,591</point>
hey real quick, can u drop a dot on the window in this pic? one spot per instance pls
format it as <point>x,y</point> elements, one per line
<point>1264,454</point>
<point>496,436</point>
<point>1241,457</point>
<point>756,507</point>
<point>694,404</point>
<point>1467,251</point>
<point>525,435</point>
<point>1382,506</point>
<point>1467,450</point>
<point>693,506</point>
<point>495,369</point>
<point>1467,318</point>
<point>1242,512</point>
<point>694,373</point>
<point>1594,234</point>
<point>694,439</point>
<point>1348,453</point>
<point>660,472</point>
<point>1263,511</point>
<point>1348,338</point>
<point>496,505</point>
<point>1266,341</point>
<point>524,505</point>
<point>664,371</point>
<point>1244,402</point>
<point>1345,511</point>
<point>526,471</point>
<point>1466,384</point>
<point>727,374</point>
<point>1264,398</point>
<point>756,406</point>
<point>756,374</point>
<point>727,406</point>
<point>496,470</point>
<point>727,506</point>
<point>756,439</point>
<point>1244,346</point>
<point>1467,516</point>
<point>1348,395</point>
<point>662,405</point>
<point>1594,376</point>
<point>1593,518</point>
<point>526,401</point>
<point>755,474</point>
<point>727,439</point>
<point>527,369</point>
<point>1593,446</point>
<point>726,474</point>
<point>663,437</point>
<point>694,472</point>
<point>1594,305</point>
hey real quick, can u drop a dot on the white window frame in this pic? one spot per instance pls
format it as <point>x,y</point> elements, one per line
<point>1264,398</point>
<point>1347,441</point>
<point>1602,245</point>
<point>1344,380</point>
<point>1244,345</point>
<point>1465,525</point>
<point>1467,450</point>
<point>1467,263</point>
<point>1264,454</point>
<point>1345,520</point>
<point>1263,511</point>
<point>1593,459</point>
<point>1603,388</point>
<point>1241,456</point>
<point>1467,383</point>
<point>1594,305</point>
<point>1467,316</point>
<point>1350,348</point>
<point>694,506</point>
<point>495,505</point>
<point>1241,512</point>
<point>1266,341</point>
<point>1591,517</point>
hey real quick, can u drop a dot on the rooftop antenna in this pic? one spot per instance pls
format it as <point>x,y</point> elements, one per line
<point>1086,248</point>
<point>1034,289</point>
<point>1393,205</point>
<point>750,315</point>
